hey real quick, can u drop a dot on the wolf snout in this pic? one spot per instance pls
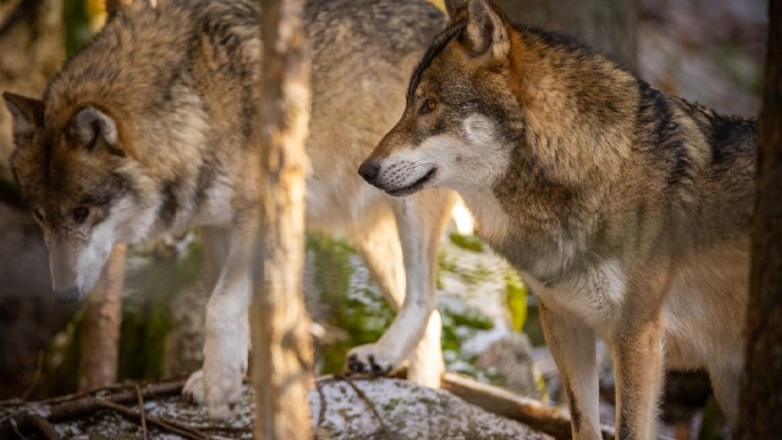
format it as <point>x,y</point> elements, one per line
<point>69,295</point>
<point>369,170</point>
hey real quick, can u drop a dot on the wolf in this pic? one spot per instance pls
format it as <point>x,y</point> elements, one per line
<point>151,129</point>
<point>626,210</point>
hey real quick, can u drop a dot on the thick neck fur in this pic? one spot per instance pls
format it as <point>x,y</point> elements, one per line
<point>597,174</point>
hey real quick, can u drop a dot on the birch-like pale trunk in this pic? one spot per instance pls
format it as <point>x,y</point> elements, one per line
<point>282,355</point>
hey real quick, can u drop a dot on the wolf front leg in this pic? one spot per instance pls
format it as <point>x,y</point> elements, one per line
<point>572,345</point>
<point>379,246</point>
<point>420,221</point>
<point>638,370</point>
<point>227,342</point>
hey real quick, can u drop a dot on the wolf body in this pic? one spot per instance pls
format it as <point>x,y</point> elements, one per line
<point>151,129</point>
<point>626,210</point>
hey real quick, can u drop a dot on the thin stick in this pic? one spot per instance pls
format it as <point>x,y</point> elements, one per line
<point>36,377</point>
<point>366,400</point>
<point>181,430</point>
<point>142,412</point>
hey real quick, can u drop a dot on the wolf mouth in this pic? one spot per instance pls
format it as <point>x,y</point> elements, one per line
<point>415,186</point>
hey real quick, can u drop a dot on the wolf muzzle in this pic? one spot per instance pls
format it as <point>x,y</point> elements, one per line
<point>69,295</point>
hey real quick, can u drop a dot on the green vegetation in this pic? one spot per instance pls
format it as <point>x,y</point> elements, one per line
<point>468,242</point>
<point>516,295</point>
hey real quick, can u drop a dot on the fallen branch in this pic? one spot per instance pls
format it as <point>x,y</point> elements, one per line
<point>163,424</point>
<point>73,406</point>
<point>531,412</point>
<point>142,413</point>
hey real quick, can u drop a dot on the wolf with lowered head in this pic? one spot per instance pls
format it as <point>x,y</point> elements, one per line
<point>152,129</point>
<point>626,210</point>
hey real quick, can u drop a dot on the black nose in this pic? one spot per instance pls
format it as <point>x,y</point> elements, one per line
<point>369,171</point>
<point>68,295</point>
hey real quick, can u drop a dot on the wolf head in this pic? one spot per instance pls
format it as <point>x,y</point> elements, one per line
<point>462,115</point>
<point>75,172</point>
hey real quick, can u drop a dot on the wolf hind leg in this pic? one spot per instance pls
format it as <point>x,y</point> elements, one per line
<point>420,222</point>
<point>379,246</point>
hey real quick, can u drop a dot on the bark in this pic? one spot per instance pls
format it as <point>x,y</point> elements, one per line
<point>282,357</point>
<point>31,44</point>
<point>607,25</point>
<point>101,331</point>
<point>761,395</point>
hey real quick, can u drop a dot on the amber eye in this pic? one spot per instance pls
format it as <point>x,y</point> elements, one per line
<point>80,214</point>
<point>38,213</point>
<point>428,106</point>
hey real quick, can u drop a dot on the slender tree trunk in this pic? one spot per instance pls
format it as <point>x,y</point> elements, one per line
<point>101,331</point>
<point>608,25</point>
<point>761,396</point>
<point>282,355</point>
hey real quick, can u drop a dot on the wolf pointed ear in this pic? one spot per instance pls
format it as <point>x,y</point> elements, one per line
<point>93,128</point>
<point>456,9</point>
<point>27,114</point>
<point>485,30</point>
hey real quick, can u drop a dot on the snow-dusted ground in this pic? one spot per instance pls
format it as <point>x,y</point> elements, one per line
<point>404,411</point>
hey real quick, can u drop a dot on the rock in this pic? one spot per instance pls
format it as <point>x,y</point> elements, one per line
<point>511,358</point>
<point>408,412</point>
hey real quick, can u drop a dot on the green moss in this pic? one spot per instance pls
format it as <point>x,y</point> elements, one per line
<point>476,275</point>
<point>360,311</point>
<point>516,294</point>
<point>146,312</point>
<point>467,242</point>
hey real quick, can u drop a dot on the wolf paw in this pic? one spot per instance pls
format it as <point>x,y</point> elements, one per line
<point>222,390</point>
<point>220,395</point>
<point>373,359</point>
<point>193,391</point>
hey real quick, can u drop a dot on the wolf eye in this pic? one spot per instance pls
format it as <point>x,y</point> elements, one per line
<point>428,106</point>
<point>38,214</point>
<point>80,214</point>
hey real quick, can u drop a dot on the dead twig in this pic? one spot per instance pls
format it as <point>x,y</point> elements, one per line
<point>366,400</point>
<point>32,422</point>
<point>238,429</point>
<point>321,413</point>
<point>121,393</point>
<point>164,425</point>
<point>36,377</point>
<point>142,413</point>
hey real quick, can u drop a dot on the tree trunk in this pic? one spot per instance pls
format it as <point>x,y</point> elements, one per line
<point>282,357</point>
<point>101,328</point>
<point>607,25</point>
<point>31,44</point>
<point>761,396</point>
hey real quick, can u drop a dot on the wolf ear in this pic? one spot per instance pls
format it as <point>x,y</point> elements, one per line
<point>485,30</point>
<point>27,114</point>
<point>93,128</point>
<point>456,9</point>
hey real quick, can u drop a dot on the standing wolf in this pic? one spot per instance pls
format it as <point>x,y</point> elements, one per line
<point>626,210</point>
<point>151,129</point>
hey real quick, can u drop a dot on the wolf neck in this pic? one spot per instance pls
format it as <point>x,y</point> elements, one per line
<point>578,117</point>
